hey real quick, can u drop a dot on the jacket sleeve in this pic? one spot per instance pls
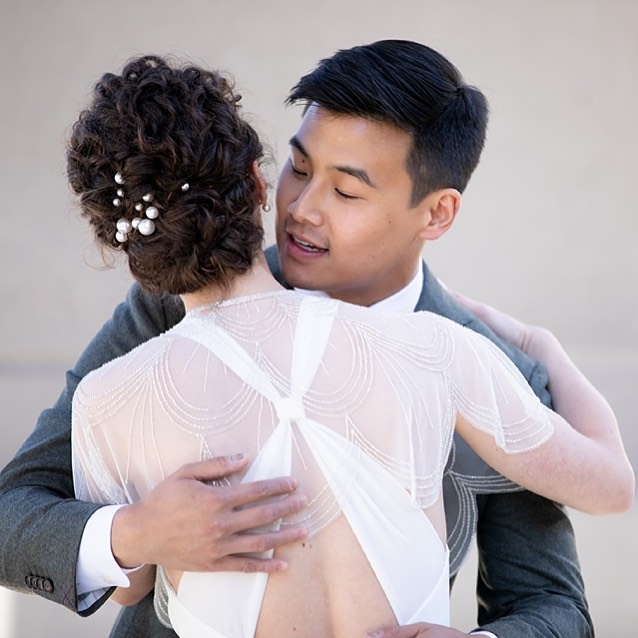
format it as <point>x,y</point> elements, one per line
<point>41,524</point>
<point>529,582</point>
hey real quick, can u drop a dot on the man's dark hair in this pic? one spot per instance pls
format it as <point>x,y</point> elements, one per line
<point>413,87</point>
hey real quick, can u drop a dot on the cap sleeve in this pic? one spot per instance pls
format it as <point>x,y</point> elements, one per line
<point>490,393</point>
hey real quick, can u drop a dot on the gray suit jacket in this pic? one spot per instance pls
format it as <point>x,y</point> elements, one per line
<point>529,582</point>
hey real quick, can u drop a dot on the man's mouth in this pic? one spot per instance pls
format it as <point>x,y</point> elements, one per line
<point>306,245</point>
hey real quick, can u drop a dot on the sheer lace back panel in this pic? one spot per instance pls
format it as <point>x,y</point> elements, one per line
<point>342,398</point>
<point>173,397</point>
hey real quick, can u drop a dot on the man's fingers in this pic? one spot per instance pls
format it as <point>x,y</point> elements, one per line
<point>250,565</point>
<point>238,547</point>
<point>248,493</point>
<point>250,542</point>
<point>251,518</point>
<point>407,631</point>
<point>237,495</point>
<point>390,632</point>
<point>215,468</point>
<point>418,630</point>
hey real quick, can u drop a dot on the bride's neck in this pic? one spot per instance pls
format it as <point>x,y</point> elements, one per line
<point>257,280</point>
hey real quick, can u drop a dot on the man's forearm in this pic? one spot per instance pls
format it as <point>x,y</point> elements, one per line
<point>39,541</point>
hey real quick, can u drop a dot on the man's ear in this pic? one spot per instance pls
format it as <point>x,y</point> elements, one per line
<point>443,205</point>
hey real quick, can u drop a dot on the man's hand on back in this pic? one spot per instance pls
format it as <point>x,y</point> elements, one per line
<point>418,630</point>
<point>186,524</point>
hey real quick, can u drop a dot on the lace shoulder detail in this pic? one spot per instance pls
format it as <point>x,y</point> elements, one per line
<point>388,386</point>
<point>485,386</point>
<point>492,394</point>
<point>436,368</point>
<point>102,403</point>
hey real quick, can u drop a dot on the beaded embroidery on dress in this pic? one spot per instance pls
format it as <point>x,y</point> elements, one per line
<point>359,406</point>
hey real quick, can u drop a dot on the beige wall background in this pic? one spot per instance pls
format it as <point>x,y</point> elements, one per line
<point>548,229</point>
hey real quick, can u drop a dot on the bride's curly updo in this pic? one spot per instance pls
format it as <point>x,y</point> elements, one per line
<point>163,164</point>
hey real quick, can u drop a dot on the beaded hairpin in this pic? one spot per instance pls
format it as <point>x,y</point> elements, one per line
<point>145,225</point>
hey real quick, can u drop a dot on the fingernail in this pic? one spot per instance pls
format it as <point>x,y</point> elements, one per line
<point>375,634</point>
<point>238,457</point>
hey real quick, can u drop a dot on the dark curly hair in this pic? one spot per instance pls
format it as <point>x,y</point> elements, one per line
<point>161,125</point>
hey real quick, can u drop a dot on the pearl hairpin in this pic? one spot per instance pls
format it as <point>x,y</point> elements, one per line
<point>123,229</point>
<point>145,225</point>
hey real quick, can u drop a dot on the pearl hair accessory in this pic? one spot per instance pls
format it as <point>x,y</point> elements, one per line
<point>123,229</point>
<point>266,207</point>
<point>145,225</point>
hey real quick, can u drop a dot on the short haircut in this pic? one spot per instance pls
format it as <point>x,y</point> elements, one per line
<point>413,87</point>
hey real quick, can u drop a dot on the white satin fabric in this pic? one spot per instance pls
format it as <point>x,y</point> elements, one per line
<point>359,406</point>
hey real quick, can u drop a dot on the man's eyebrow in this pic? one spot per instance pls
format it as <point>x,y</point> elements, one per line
<point>357,173</point>
<point>294,141</point>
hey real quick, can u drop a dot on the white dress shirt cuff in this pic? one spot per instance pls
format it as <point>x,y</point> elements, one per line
<point>482,632</point>
<point>97,569</point>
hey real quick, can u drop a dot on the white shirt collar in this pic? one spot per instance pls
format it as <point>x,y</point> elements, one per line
<point>404,300</point>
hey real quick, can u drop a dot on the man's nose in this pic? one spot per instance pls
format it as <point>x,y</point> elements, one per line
<point>307,208</point>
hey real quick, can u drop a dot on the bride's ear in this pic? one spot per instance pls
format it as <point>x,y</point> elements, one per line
<point>442,208</point>
<point>260,181</point>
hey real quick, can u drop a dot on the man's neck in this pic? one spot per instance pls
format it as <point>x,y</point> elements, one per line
<point>403,300</point>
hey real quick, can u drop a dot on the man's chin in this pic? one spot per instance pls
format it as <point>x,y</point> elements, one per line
<point>295,279</point>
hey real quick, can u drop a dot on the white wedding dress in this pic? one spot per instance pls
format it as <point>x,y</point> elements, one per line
<point>357,405</point>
